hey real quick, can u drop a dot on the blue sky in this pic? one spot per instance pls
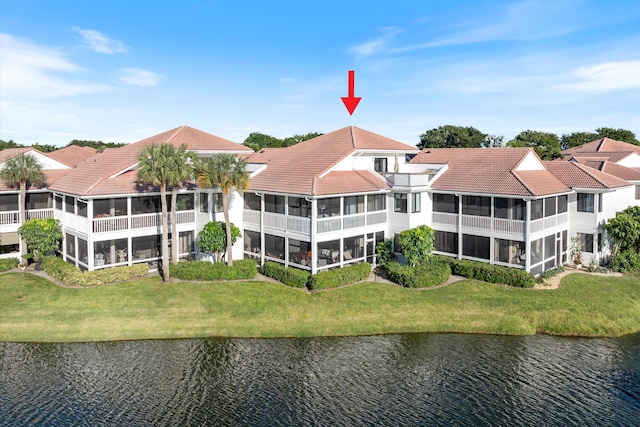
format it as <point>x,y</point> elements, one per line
<point>125,70</point>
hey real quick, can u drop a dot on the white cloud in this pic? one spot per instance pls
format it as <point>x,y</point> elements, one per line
<point>37,72</point>
<point>376,45</point>
<point>100,43</point>
<point>139,77</point>
<point>605,77</point>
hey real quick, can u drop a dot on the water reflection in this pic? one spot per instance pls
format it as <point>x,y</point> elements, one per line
<point>418,379</point>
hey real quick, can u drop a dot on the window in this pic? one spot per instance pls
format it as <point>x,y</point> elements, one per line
<point>273,203</point>
<point>586,242</point>
<point>8,202</point>
<point>299,206</point>
<point>536,251</point>
<point>82,208</point>
<point>251,201</point>
<point>637,192</point>
<point>509,208</point>
<point>329,207</point>
<point>585,202</point>
<point>204,202</point>
<point>185,243</point>
<point>400,202</point>
<point>376,202</point>
<point>184,202</point>
<point>274,246</point>
<point>509,251</point>
<point>217,202</point>
<point>38,201</point>
<point>82,251</point>
<point>299,252</point>
<point>58,200</point>
<point>353,248</point>
<point>145,205</point>
<point>562,204</point>
<point>252,241</point>
<point>353,205</point>
<point>599,202</point>
<point>476,205</point>
<point>415,202</point>
<point>550,246</point>
<point>111,207</point>
<point>446,242</point>
<point>380,164</point>
<point>70,241</point>
<point>328,253</point>
<point>447,203</point>
<point>146,247</point>
<point>537,209</point>
<point>549,206</point>
<point>69,204</point>
<point>476,246</point>
<point>109,252</point>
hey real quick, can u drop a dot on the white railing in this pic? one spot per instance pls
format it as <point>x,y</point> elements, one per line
<point>10,217</point>
<point>298,224</point>
<point>537,225</point>
<point>184,217</point>
<point>40,213</point>
<point>445,218</point>
<point>112,223</point>
<point>251,217</point>
<point>146,220</point>
<point>475,222</point>
<point>274,220</point>
<point>353,221</point>
<point>509,226</point>
<point>408,179</point>
<point>377,218</point>
<point>327,225</point>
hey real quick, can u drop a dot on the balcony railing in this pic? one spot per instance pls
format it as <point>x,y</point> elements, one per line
<point>408,179</point>
<point>472,223</point>
<point>152,220</point>
<point>13,217</point>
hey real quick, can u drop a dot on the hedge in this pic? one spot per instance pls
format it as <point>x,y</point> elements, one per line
<point>490,273</point>
<point>294,277</point>
<point>71,275</point>
<point>7,264</point>
<point>428,275</point>
<point>340,276</point>
<point>549,274</point>
<point>205,270</point>
<point>626,261</point>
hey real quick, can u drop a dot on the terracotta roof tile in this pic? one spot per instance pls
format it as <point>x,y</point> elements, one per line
<point>345,182</point>
<point>293,169</point>
<point>9,153</point>
<point>51,176</point>
<point>72,155</point>
<point>489,171</point>
<point>605,145</point>
<point>575,175</point>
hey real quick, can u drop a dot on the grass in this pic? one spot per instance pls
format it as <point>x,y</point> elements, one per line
<point>32,309</point>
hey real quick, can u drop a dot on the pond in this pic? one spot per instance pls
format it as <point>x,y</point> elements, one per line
<point>413,379</point>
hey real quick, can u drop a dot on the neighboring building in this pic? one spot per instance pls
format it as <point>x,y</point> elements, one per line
<point>328,201</point>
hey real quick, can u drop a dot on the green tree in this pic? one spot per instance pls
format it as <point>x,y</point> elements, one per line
<point>9,144</point>
<point>213,238</point>
<point>182,171</point>
<point>19,170</point>
<point>256,140</point>
<point>224,171</point>
<point>41,235</point>
<point>98,145</point>
<point>295,139</point>
<point>417,244</point>
<point>157,165</point>
<point>45,148</point>
<point>576,139</point>
<point>452,137</point>
<point>618,135</point>
<point>624,229</point>
<point>546,144</point>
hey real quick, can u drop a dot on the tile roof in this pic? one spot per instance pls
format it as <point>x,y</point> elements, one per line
<point>51,176</point>
<point>9,153</point>
<point>490,171</point>
<point>575,175</point>
<point>93,175</point>
<point>622,172</point>
<point>603,145</point>
<point>72,155</point>
<point>297,168</point>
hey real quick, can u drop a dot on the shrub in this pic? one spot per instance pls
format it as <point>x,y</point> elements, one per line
<point>71,275</point>
<point>340,276</point>
<point>549,273</point>
<point>384,252</point>
<point>7,264</point>
<point>205,270</point>
<point>626,261</point>
<point>426,275</point>
<point>294,277</point>
<point>490,273</point>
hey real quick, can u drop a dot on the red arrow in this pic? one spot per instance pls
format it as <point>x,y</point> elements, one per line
<point>351,102</point>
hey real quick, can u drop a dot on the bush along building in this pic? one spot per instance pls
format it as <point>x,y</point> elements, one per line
<point>327,202</point>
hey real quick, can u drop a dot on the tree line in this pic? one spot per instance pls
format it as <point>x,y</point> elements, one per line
<point>548,145</point>
<point>48,148</point>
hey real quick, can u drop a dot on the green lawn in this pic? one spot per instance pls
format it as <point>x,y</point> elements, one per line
<point>34,309</point>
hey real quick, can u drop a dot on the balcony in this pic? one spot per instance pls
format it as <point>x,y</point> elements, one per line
<point>13,217</point>
<point>471,223</point>
<point>280,222</point>
<point>395,179</point>
<point>125,222</point>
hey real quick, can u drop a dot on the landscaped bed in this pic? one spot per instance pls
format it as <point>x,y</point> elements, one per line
<point>34,309</point>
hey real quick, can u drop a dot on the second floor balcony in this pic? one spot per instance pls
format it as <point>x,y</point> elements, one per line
<point>131,222</point>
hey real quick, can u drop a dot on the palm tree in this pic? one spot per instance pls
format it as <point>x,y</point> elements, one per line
<point>183,163</point>
<point>225,171</point>
<point>17,171</point>
<point>157,165</point>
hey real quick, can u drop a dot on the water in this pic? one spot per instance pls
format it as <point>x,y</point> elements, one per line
<point>419,379</point>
